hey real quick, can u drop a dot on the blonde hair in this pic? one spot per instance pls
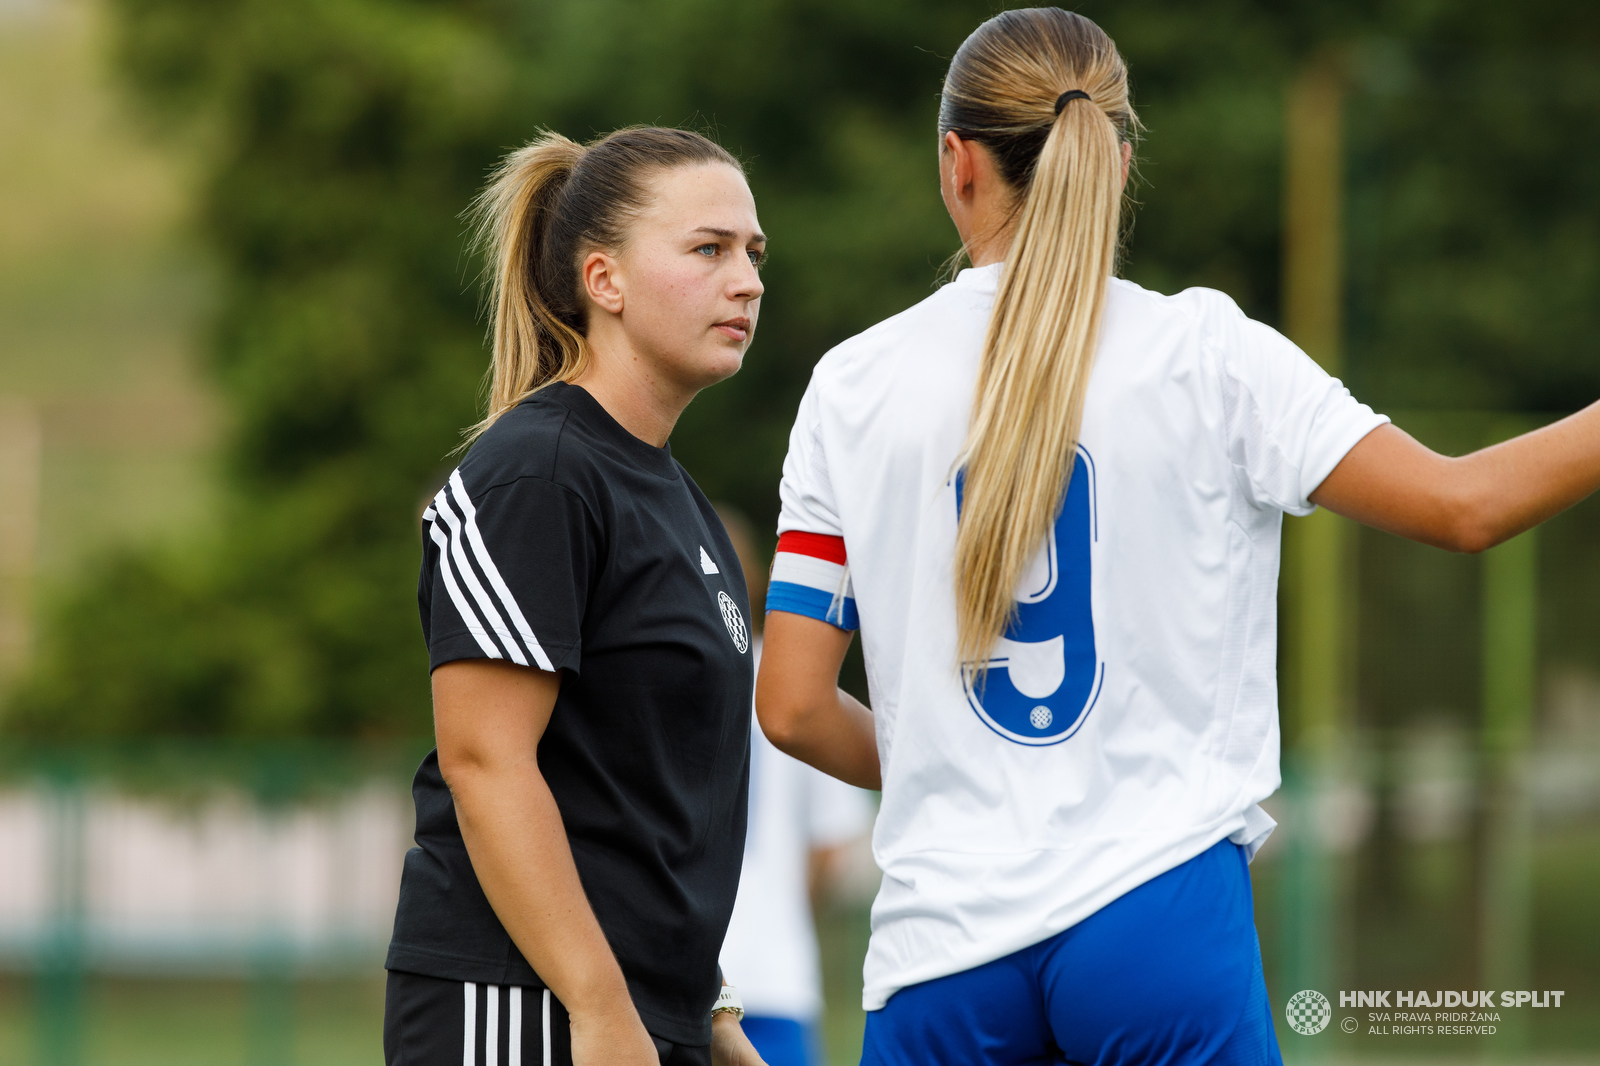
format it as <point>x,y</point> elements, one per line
<point>547,205</point>
<point>1009,88</point>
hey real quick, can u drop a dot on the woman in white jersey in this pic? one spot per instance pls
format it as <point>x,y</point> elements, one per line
<point>1051,501</point>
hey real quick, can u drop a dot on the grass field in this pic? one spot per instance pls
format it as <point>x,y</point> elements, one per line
<point>205,1023</point>
<point>334,1023</point>
<point>339,1023</point>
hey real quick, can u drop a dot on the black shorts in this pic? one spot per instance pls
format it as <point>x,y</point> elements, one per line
<point>429,1021</point>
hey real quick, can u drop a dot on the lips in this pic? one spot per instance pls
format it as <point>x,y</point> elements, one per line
<point>734,328</point>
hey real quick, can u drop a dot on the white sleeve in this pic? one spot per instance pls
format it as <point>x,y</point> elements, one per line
<point>1288,422</point>
<point>836,812</point>
<point>806,492</point>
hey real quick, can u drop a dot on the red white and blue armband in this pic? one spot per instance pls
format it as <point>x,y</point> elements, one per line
<point>811,577</point>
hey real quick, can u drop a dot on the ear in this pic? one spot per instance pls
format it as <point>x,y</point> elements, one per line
<point>601,278</point>
<point>957,166</point>
<point>1127,160</point>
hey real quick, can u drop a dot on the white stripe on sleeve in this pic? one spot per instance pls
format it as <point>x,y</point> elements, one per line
<point>493,573</point>
<point>468,616</point>
<point>469,1029</point>
<point>491,615</point>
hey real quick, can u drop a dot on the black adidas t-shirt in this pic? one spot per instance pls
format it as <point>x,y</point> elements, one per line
<point>565,542</point>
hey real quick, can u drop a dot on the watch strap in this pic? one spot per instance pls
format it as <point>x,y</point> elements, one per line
<point>728,1001</point>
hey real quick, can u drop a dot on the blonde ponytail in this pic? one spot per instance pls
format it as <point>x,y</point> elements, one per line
<point>532,346</point>
<point>546,205</point>
<point>1010,83</point>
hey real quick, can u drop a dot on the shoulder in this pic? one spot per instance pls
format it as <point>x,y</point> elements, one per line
<point>541,441</point>
<point>946,319</point>
<point>1198,308</point>
<point>523,442</point>
<point>1205,323</point>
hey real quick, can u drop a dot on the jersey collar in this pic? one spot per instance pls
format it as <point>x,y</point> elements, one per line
<point>984,280</point>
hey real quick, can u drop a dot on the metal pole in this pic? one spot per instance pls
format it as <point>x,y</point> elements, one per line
<point>61,965</point>
<point>1510,683</point>
<point>272,998</point>
<point>1317,571</point>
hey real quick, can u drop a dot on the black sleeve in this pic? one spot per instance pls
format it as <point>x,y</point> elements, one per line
<point>505,573</point>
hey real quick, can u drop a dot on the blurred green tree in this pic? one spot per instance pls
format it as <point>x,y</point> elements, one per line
<point>344,137</point>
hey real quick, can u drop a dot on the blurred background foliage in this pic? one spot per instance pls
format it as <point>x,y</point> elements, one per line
<point>334,144</point>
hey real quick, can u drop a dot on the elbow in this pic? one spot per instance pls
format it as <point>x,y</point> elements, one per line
<point>464,765</point>
<point>1472,538</point>
<point>783,721</point>
<point>1470,526</point>
<point>778,722</point>
<point>457,765</point>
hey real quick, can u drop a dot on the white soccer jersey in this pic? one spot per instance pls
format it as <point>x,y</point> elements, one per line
<point>1129,717</point>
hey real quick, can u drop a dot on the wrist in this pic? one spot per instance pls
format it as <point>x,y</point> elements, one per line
<point>728,1003</point>
<point>602,999</point>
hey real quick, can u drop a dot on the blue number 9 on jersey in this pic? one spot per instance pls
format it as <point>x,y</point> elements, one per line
<point>1044,675</point>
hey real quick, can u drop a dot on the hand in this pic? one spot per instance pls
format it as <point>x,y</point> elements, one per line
<point>729,1045</point>
<point>614,1037</point>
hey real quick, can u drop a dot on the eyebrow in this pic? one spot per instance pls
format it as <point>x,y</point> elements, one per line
<point>728,234</point>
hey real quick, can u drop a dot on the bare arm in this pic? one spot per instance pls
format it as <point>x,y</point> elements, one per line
<point>488,717</point>
<point>801,707</point>
<point>1471,503</point>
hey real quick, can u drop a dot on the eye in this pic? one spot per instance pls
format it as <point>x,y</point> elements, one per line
<point>758,257</point>
<point>708,250</point>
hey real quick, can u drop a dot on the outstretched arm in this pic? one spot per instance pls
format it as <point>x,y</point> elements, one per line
<point>801,707</point>
<point>1467,504</point>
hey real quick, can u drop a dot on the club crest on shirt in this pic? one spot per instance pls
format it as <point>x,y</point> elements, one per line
<point>1045,674</point>
<point>734,620</point>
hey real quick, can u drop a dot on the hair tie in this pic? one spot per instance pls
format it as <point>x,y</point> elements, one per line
<point>1070,95</point>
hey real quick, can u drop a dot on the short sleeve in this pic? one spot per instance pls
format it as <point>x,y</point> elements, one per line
<point>505,573</point>
<point>810,570</point>
<point>806,492</point>
<point>1288,422</point>
<point>837,812</point>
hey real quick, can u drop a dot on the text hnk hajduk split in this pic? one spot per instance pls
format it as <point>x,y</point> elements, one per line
<point>1475,998</point>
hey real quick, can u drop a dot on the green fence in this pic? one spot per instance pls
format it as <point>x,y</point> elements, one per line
<point>57,958</point>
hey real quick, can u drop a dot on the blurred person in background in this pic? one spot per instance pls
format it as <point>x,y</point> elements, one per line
<point>1051,500</point>
<point>581,823</point>
<point>801,823</point>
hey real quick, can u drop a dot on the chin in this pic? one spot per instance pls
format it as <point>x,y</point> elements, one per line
<point>715,366</point>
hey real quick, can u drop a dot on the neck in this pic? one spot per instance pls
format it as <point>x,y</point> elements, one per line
<point>626,384</point>
<point>992,249</point>
<point>985,219</point>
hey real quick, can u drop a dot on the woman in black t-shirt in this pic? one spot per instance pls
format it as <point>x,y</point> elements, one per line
<point>581,823</point>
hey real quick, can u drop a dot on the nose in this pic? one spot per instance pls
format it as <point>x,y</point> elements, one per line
<point>747,283</point>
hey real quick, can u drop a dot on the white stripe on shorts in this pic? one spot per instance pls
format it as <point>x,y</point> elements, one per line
<point>514,1025</point>
<point>515,1035</point>
<point>546,1028</point>
<point>491,1026</point>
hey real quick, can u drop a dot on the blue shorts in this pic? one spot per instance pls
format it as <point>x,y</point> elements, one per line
<point>782,1041</point>
<point>1167,975</point>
